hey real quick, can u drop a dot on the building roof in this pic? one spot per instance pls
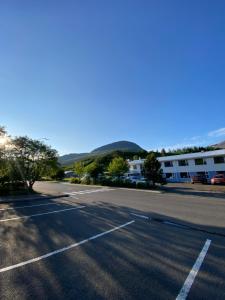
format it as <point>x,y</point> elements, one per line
<point>193,155</point>
<point>136,161</point>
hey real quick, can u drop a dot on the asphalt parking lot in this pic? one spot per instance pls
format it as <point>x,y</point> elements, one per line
<point>110,243</point>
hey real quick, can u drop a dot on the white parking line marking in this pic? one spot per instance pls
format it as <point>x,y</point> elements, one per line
<point>140,216</point>
<point>63,249</point>
<point>87,192</point>
<point>41,214</point>
<point>141,190</point>
<point>193,273</point>
<point>18,207</point>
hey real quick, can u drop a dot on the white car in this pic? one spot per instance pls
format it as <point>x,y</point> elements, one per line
<point>135,179</point>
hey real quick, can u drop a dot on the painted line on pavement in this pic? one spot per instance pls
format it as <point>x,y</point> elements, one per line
<point>87,192</point>
<point>41,214</point>
<point>141,190</point>
<point>141,216</point>
<point>193,273</point>
<point>28,206</point>
<point>63,249</point>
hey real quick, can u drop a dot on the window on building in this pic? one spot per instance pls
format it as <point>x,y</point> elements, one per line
<point>201,173</point>
<point>169,175</point>
<point>182,163</point>
<point>134,167</point>
<point>168,164</point>
<point>219,160</point>
<point>184,175</point>
<point>200,161</point>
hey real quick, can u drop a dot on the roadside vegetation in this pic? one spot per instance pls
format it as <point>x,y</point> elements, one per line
<point>112,170</point>
<point>23,161</point>
<point>185,150</point>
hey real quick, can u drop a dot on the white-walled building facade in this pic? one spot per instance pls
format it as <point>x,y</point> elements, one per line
<point>180,168</point>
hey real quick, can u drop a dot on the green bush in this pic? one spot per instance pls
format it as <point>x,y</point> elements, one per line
<point>58,174</point>
<point>129,184</point>
<point>10,187</point>
<point>86,180</point>
<point>75,180</point>
<point>142,185</point>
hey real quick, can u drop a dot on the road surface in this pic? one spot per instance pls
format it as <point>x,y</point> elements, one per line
<point>112,243</point>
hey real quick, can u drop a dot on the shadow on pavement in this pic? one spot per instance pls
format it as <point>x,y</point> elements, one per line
<point>146,260</point>
<point>188,191</point>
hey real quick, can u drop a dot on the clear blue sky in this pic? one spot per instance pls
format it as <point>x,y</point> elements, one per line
<point>86,73</point>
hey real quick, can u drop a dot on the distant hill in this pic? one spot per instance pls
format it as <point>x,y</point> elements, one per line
<point>68,159</point>
<point>220,145</point>
<point>124,146</point>
<point>118,146</point>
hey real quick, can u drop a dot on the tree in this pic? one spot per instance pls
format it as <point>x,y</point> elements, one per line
<point>118,166</point>
<point>32,159</point>
<point>93,169</point>
<point>163,152</point>
<point>135,157</point>
<point>152,168</point>
<point>3,141</point>
<point>5,170</point>
<point>79,168</point>
<point>57,173</point>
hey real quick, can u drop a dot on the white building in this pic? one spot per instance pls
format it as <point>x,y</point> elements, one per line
<point>180,168</point>
<point>136,166</point>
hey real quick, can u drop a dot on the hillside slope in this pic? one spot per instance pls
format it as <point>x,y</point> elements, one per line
<point>69,159</point>
<point>220,145</point>
<point>123,146</point>
<point>120,146</point>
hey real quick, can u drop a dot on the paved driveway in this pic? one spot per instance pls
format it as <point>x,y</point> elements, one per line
<point>106,243</point>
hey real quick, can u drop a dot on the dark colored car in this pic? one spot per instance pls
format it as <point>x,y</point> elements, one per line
<point>199,179</point>
<point>218,179</point>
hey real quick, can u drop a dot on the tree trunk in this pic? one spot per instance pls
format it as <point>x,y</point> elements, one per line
<point>30,185</point>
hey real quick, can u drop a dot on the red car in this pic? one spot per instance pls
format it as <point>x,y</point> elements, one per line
<point>218,179</point>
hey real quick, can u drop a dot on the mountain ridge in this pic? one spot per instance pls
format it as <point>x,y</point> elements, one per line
<point>125,146</point>
<point>220,145</point>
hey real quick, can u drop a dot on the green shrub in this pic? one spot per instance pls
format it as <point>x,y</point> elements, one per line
<point>10,187</point>
<point>129,184</point>
<point>86,180</point>
<point>75,180</point>
<point>142,185</point>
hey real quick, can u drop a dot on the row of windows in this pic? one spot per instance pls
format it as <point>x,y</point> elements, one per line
<point>182,175</point>
<point>198,162</point>
<point>187,175</point>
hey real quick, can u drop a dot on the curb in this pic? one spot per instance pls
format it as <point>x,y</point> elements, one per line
<point>197,192</point>
<point>141,190</point>
<point>33,199</point>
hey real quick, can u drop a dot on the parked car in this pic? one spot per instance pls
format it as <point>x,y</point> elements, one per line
<point>199,179</point>
<point>218,179</point>
<point>135,179</point>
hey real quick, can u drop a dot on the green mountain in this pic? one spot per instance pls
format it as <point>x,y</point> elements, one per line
<point>123,146</point>
<point>69,159</point>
